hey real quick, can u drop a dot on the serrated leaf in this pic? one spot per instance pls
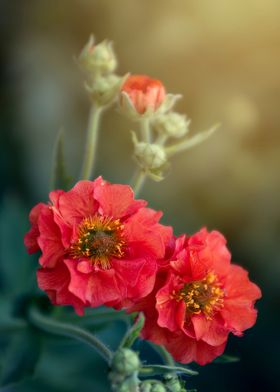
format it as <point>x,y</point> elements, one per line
<point>226,359</point>
<point>60,179</point>
<point>21,357</point>
<point>133,333</point>
<point>153,370</point>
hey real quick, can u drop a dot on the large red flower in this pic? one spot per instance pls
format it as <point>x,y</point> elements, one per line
<point>99,245</point>
<point>198,299</point>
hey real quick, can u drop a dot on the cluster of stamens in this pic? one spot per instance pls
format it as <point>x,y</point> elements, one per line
<point>99,239</point>
<point>202,296</point>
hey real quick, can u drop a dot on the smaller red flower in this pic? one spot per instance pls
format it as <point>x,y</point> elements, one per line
<point>142,94</point>
<point>198,299</point>
<point>99,245</point>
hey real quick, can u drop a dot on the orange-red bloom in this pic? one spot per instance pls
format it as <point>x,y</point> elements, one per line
<point>99,245</point>
<point>143,94</point>
<point>199,298</point>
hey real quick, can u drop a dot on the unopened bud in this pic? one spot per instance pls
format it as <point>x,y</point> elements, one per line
<point>125,362</point>
<point>171,124</point>
<point>173,384</point>
<point>150,156</point>
<point>147,386</point>
<point>98,58</point>
<point>130,384</point>
<point>104,89</point>
<point>141,96</point>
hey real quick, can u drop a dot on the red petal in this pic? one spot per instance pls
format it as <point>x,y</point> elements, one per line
<point>117,201</point>
<point>96,288</point>
<point>30,238</point>
<point>145,237</point>
<point>49,239</point>
<point>135,278</point>
<point>55,283</point>
<point>167,306</point>
<point>210,331</point>
<point>208,252</point>
<point>78,203</point>
<point>241,294</point>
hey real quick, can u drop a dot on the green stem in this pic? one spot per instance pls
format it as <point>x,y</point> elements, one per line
<point>161,140</point>
<point>58,328</point>
<point>167,358</point>
<point>95,318</point>
<point>91,142</point>
<point>138,181</point>
<point>145,130</point>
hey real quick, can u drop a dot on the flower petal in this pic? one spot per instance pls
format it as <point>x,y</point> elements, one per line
<point>30,238</point>
<point>49,239</point>
<point>96,288</point>
<point>55,282</point>
<point>116,200</point>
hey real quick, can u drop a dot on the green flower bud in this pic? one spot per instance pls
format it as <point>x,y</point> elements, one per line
<point>125,362</point>
<point>104,89</point>
<point>98,58</point>
<point>131,384</point>
<point>172,383</point>
<point>171,124</point>
<point>147,386</point>
<point>150,156</point>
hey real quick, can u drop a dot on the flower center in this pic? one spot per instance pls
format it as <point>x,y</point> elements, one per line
<point>202,296</point>
<point>99,239</point>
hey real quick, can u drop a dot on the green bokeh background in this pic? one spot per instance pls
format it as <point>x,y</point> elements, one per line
<point>224,57</point>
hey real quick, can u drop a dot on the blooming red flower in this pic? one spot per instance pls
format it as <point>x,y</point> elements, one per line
<point>143,93</point>
<point>198,299</point>
<point>99,245</point>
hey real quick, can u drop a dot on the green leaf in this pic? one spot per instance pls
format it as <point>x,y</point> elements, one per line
<point>226,359</point>
<point>133,333</point>
<point>153,370</point>
<point>60,179</point>
<point>21,357</point>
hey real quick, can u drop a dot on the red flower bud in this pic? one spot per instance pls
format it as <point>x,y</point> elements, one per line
<point>141,94</point>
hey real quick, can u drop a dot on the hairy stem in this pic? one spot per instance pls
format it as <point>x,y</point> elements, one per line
<point>166,357</point>
<point>52,326</point>
<point>138,181</point>
<point>145,130</point>
<point>91,142</point>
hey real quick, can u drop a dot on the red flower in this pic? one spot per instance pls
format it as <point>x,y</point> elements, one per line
<point>99,245</point>
<point>199,298</point>
<point>141,94</point>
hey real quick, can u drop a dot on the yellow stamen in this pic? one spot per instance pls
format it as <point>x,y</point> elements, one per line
<point>99,239</point>
<point>202,296</point>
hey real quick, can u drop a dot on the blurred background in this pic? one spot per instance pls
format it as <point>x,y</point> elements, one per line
<point>224,57</point>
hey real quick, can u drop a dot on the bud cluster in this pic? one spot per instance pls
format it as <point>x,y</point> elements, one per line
<point>99,62</point>
<point>143,100</point>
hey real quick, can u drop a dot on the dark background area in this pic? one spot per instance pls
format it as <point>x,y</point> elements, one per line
<point>224,57</point>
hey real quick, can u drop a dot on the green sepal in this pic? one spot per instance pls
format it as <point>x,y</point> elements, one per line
<point>153,370</point>
<point>226,359</point>
<point>133,333</point>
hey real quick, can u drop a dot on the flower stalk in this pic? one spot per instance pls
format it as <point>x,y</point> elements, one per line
<point>145,130</point>
<point>55,327</point>
<point>138,181</point>
<point>91,142</point>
